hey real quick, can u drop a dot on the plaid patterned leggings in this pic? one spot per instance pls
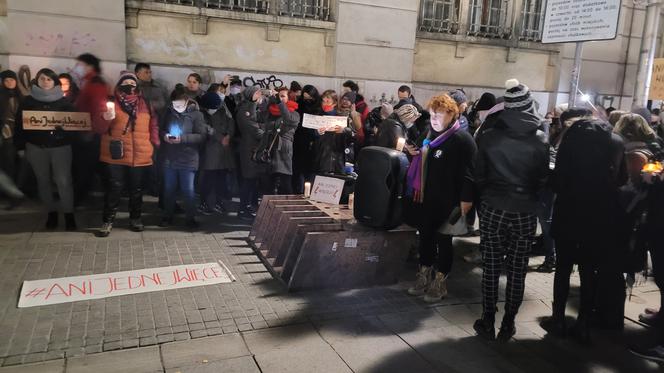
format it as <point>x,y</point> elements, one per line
<point>506,238</point>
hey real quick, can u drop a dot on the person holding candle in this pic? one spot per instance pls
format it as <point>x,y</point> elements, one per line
<point>182,129</point>
<point>49,152</point>
<point>511,170</point>
<point>92,99</point>
<point>133,123</point>
<point>305,139</point>
<point>440,180</point>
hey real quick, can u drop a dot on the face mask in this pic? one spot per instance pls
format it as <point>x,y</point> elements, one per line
<point>212,111</point>
<point>180,106</point>
<point>222,96</point>
<point>235,90</point>
<point>127,89</point>
<point>79,71</point>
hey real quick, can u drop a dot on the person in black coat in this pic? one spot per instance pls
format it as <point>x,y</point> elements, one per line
<point>441,179</point>
<point>304,142</point>
<point>587,216</point>
<point>511,170</point>
<point>401,124</point>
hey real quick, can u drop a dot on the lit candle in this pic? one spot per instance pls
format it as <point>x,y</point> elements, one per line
<point>400,144</point>
<point>351,201</point>
<point>110,106</point>
<point>307,189</point>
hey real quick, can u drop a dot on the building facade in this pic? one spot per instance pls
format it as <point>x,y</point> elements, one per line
<point>432,45</point>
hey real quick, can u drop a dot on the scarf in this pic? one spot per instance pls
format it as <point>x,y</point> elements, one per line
<point>275,111</point>
<point>129,104</point>
<point>328,108</point>
<point>44,95</point>
<point>418,166</point>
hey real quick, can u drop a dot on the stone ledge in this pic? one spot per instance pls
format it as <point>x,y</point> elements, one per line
<point>187,10</point>
<point>510,43</point>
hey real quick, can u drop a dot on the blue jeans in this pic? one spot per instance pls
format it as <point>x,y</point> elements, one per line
<point>186,180</point>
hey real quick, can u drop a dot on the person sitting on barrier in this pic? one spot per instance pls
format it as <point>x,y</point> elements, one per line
<point>440,179</point>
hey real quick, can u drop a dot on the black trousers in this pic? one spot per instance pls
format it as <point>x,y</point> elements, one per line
<point>85,167</point>
<point>657,257</point>
<point>117,177</point>
<point>249,192</point>
<point>281,184</point>
<point>213,186</point>
<point>434,244</point>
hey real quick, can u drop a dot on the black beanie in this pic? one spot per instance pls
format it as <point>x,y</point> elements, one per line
<point>8,74</point>
<point>486,102</point>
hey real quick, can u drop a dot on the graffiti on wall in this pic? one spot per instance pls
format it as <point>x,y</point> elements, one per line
<point>383,98</point>
<point>271,82</point>
<point>59,44</point>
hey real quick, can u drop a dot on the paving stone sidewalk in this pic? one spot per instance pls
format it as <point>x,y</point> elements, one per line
<point>253,323</point>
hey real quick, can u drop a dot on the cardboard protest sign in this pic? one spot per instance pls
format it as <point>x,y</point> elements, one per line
<point>657,81</point>
<point>48,120</point>
<point>72,289</point>
<point>321,121</point>
<point>327,189</point>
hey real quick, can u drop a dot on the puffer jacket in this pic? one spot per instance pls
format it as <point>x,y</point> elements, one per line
<point>191,128</point>
<point>137,140</point>
<point>512,162</point>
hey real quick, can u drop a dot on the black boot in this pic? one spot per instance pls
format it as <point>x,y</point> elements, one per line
<point>70,222</point>
<point>507,328</point>
<point>52,221</point>
<point>485,327</point>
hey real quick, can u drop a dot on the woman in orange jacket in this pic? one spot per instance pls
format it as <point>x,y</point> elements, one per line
<point>129,133</point>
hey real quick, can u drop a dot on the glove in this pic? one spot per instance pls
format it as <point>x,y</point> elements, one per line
<point>275,100</point>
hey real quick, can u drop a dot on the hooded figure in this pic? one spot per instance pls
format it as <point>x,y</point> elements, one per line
<point>304,143</point>
<point>251,133</point>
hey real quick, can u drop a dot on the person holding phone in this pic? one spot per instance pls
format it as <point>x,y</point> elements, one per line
<point>183,129</point>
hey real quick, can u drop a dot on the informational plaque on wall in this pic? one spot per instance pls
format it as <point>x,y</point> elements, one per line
<point>580,20</point>
<point>49,120</point>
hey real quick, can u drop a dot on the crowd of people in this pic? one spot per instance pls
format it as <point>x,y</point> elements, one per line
<point>588,176</point>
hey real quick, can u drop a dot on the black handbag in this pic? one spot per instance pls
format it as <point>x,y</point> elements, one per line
<point>266,148</point>
<point>116,147</point>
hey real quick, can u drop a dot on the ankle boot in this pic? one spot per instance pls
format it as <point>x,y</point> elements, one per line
<point>70,222</point>
<point>52,221</point>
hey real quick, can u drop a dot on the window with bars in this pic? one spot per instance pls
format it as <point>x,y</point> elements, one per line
<point>489,18</point>
<point>532,20</point>
<point>441,16</point>
<point>251,6</point>
<point>316,9</point>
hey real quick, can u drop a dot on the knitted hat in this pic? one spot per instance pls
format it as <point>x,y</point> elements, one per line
<point>458,96</point>
<point>386,110</point>
<point>127,75</point>
<point>350,96</point>
<point>517,95</point>
<point>8,74</point>
<point>210,100</point>
<point>486,102</point>
<point>407,113</point>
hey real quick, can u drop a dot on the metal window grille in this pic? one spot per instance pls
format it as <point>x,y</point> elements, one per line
<point>178,2</point>
<point>250,6</point>
<point>532,20</point>
<point>488,18</point>
<point>440,16</point>
<point>316,9</point>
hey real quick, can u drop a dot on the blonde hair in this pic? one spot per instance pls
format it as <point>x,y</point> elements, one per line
<point>615,116</point>
<point>443,103</point>
<point>633,127</point>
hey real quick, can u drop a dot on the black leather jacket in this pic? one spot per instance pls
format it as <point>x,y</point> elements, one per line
<point>512,162</point>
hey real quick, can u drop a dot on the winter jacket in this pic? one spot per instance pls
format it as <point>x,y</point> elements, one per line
<point>9,104</point>
<point>590,168</point>
<point>512,162</point>
<point>192,130</point>
<point>332,147</point>
<point>92,99</point>
<point>282,161</point>
<point>449,177</point>
<point>137,140</point>
<point>305,139</point>
<point>44,139</point>
<point>389,131</point>
<point>154,94</point>
<point>216,156</point>
<point>251,133</point>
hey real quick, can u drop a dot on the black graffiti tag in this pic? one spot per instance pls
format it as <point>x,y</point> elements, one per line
<point>266,83</point>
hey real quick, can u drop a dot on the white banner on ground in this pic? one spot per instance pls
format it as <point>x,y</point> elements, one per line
<point>327,189</point>
<point>72,289</point>
<point>322,121</point>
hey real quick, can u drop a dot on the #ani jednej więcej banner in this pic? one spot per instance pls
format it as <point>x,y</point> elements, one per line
<point>77,288</point>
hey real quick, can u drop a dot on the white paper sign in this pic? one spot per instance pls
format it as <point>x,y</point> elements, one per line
<point>72,289</point>
<point>327,189</point>
<point>323,121</point>
<point>580,20</point>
